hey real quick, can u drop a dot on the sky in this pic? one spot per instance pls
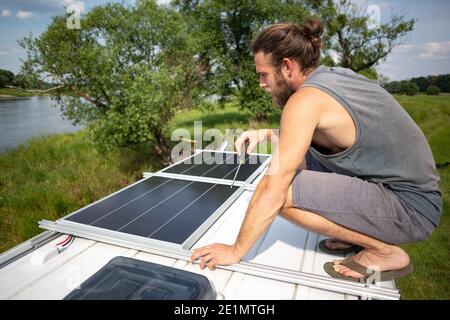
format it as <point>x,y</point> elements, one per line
<point>426,50</point>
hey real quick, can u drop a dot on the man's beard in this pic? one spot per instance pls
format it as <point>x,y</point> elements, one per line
<point>282,90</point>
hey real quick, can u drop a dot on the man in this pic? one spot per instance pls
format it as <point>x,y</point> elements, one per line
<point>350,162</point>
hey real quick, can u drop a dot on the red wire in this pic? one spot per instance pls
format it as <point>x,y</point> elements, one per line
<point>65,240</point>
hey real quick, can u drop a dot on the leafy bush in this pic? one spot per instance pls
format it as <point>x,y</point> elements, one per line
<point>433,91</point>
<point>6,78</point>
<point>410,88</point>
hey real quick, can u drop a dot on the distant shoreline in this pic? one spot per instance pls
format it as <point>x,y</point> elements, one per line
<point>9,93</point>
<point>9,97</point>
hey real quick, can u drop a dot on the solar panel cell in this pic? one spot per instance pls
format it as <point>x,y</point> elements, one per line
<point>184,224</point>
<point>117,219</point>
<point>155,217</point>
<point>94,212</point>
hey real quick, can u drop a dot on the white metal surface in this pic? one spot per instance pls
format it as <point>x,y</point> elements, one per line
<point>283,246</point>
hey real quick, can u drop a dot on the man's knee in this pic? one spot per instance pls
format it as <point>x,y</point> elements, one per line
<point>288,203</point>
<point>284,213</point>
<point>291,214</point>
<point>287,211</point>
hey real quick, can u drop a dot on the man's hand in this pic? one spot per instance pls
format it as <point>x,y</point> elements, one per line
<point>254,137</point>
<point>216,254</point>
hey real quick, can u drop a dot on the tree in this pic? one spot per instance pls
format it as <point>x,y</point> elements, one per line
<point>6,78</point>
<point>422,82</point>
<point>394,87</point>
<point>21,81</point>
<point>409,88</point>
<point>369,73</point>
<point>441,81</point>
<point>433,90</point>
<point>252,99</point>
<point>357,44</point>
<point>227,29</point>
<point>383,80</point>
<point>125,69</point>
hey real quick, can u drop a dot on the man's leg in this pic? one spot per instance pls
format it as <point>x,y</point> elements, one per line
<point>310,163</point>
<point>376,253</point>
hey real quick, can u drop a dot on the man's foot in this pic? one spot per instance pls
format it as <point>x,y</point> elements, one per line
<point>388,258</point>
<point>333,244</point>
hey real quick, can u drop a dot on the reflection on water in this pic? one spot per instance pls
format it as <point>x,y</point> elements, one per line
<point>21,119</point>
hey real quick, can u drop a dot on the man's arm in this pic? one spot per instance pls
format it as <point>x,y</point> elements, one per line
<point>299,119</point>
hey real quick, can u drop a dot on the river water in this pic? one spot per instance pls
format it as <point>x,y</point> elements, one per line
<point>24,118</point>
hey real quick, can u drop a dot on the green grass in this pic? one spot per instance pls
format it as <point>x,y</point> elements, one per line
<point>229,117</point>
<point>432,114</point>
<point>431,278</point>
<point>11,92</point>
<point>51,177</point>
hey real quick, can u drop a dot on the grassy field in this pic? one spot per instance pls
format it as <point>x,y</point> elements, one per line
<point>51,177</point>
<point>431,279</point>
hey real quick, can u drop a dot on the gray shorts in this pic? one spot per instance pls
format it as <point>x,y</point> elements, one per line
<point>359,205</point>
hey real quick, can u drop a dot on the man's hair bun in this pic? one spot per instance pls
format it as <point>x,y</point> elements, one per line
<point>300,42</point>
<point>313,29</point>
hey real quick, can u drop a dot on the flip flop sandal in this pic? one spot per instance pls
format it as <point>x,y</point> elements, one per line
<point>324,248</point>
<point>353,265</point>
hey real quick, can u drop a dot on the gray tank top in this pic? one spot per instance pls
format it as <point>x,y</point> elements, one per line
<point>389,149</point>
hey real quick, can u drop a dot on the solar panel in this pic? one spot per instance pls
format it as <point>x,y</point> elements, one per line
<point>220,165</point>
<point>174,206</point>
<point>158,208</point>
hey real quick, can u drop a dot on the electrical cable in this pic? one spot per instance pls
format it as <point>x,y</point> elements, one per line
<point>65,245</point>
<point>64,241</point>
<point>72,238</point>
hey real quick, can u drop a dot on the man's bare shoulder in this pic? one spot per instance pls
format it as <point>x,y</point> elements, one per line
<point>306,100</point>
<point>303,106</point>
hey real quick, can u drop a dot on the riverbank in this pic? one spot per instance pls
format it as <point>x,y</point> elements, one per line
<point>49,177</point>
<point>11,93</point>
